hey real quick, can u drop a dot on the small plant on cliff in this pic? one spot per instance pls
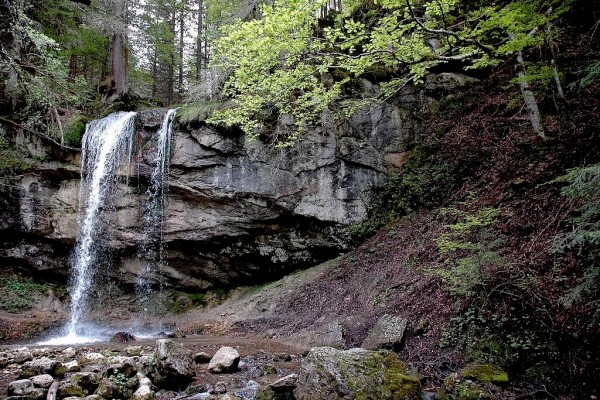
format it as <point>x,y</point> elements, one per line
<point>19,293</point>
<point>10,163</point>
<point>425,182</point>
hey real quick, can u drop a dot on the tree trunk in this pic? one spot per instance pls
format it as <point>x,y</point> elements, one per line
<point>181,44</point>
<point>154,73</point>
<point>171,66</point>
<point>199,52</point>
<point>529,98</point>
<point>119,82</point>
<point>73,68</point>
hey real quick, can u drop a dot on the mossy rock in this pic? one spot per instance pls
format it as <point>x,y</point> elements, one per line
<point>485,373</point>
<point>357,373</point>
<point>74,129</point>
<point>457,388</point>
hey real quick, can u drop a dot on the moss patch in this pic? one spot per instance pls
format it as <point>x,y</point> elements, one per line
<point>485,373</point>
<point>74,130</point>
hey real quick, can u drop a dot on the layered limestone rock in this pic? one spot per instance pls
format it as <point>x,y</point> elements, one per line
<point>238,211</point>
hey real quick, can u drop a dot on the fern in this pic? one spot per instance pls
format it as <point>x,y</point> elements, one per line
<point>583,188</point>
<point>592,72</point>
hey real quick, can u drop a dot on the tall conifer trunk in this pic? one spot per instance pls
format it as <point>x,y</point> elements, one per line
<point>199,54</point>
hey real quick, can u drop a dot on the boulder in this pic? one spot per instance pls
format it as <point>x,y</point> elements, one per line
<point>174,363</point>
<point>37,394</point>
<point>485,373</point>
<point>91,358</point>
<point>144,392</point>
<point>22,355</point>
<point>330,334</point>
<point>88,381</point>
<point>220,388</point>
<point>122,337</point>
<point>132,351</point>
<point>202,357</point>
<point>388,333</point>
<point>281,389</point>
<point>228,396</point>
<point>20,387</point>
<point>41,352</point>
<point>72,366</point>
<point>328,373</point>
<point>69,352</point>
<point>127,369</point>
<point>69,389</point>
<point>226,359</point>
<point>41,366</point>
<point>111,389</point>
<point>42,381</point>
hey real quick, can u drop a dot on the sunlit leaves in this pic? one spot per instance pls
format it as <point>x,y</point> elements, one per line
<point>286,62</point>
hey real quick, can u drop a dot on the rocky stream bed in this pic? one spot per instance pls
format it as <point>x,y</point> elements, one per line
<point>202,367</point>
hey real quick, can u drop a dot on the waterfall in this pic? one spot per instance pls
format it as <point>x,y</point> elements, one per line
<point>151,249</point>
<point>106,144</point>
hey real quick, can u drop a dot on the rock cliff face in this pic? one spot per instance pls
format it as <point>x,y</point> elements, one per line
<point>238,211</point>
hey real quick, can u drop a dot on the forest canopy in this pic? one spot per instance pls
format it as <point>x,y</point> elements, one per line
<point>298,60</point>
<point>63,61</point>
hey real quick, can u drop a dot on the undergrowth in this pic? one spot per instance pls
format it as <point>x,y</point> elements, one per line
<point>19,293</point>
<point>425,182</point>
<point>582,235</point>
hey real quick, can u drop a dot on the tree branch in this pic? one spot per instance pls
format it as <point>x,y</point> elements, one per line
<point>486,49</point>
<point>42,135</point>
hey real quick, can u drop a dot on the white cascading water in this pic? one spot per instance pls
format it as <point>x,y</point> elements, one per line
<point>105,145</point>
<point>152,247</point>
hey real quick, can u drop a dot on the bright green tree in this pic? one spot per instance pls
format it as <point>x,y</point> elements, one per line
<point>294,61</point>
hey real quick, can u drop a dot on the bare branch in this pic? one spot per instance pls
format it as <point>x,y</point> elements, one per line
<point>486,49</point>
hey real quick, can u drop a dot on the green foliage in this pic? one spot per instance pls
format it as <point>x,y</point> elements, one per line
<point>540,76</point>
<point>287,62</point>
<point>198,299</point>
<point>35,62</point>
<point>504,337</point>
<point>74,130</point>
<point>583,236</point>
<point>10,162</point>
<point>485,373</point>
<point>425,182</point>
<point>19,293</point>
<point>471,249</point>
<point>197,112</point>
